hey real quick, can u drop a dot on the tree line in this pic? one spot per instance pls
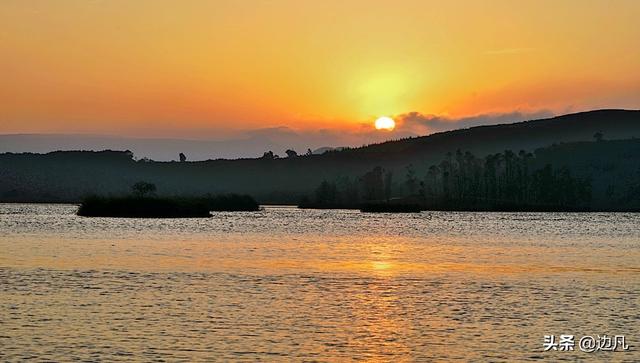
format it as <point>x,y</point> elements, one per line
<point>462,181</point>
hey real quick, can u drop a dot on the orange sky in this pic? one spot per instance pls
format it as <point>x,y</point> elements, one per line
<point>176,68</point>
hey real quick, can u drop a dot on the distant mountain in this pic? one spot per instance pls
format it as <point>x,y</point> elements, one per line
<point>246,144</point>
<point>527,135</point>
<point>252,144</point>
<point>66,176</point>
<point>157,149</point>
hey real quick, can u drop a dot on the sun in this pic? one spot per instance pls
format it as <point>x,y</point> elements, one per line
<point>385,123</point>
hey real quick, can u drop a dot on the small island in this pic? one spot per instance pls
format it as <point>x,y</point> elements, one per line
<point>143,203</point>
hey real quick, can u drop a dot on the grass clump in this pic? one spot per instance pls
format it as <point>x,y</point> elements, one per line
<point>143,203</point>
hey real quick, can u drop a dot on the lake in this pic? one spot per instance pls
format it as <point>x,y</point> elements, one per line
<point>284,284</point>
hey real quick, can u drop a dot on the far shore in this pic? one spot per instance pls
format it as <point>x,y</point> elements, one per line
<point>355,208</point>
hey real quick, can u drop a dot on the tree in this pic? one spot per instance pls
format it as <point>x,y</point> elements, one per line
<point>141,189</point>
<point>326,193</point>
<point>373,184</point>
<point>309,152</point>
<point>291,153</point>
<point>430,185</point>
<point>411,181</point>
<point>268,155</point>
<point>598,136</point>
<point>183,158</point>
<point>388,181</point>
<point>348,191</point>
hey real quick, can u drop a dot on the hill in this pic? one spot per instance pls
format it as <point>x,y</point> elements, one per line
<point>68,176</point>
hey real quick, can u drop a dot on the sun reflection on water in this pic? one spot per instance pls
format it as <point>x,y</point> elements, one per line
<point>381,265</point>
<point>296,285</point>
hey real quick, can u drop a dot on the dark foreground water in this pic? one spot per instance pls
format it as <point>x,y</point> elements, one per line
<point>301,285</point>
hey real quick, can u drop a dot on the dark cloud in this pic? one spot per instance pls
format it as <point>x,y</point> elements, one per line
<point>428,124</point>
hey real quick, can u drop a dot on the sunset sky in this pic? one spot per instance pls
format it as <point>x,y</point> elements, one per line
<point>197,69</point>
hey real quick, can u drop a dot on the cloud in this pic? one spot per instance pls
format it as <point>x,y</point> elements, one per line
<point>300,140</point>
<point>252,143</point>
<point>409,124</point>
<point>419,123</point>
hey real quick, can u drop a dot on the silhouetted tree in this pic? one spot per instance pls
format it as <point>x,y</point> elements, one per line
<point>183,157</point>
<point>348,191</point>
<point>502,181</point>
<point>598,136</point>
<point>268,155</point>
<point>142,189</point>
<point>326,193</point>
<point>388,180</point>
<point>291,153</point>
<point>373,184</point>
<point>309,152</point>
<point>411,181</point>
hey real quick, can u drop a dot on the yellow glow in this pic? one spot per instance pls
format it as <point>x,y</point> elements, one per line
<point>161,67</point>
<point>385,123</point>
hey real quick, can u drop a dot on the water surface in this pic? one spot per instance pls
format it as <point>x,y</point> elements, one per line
<point>307,285</point>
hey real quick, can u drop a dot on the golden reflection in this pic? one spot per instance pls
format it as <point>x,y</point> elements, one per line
<point>381,265</point>
<point>372,256</point>
<point>381,257</point>
<point>379,322</point>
